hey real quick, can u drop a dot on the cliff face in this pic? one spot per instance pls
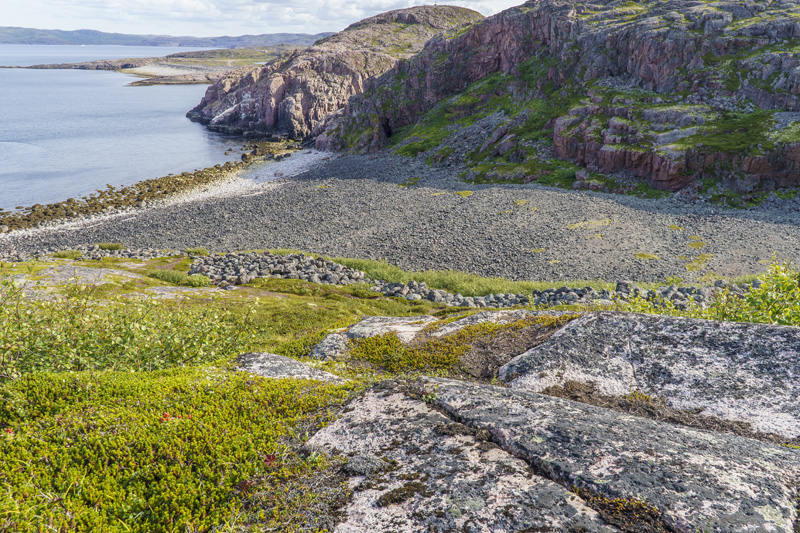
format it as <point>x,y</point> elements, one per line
<point>291,96</point>
<point>669,91</point>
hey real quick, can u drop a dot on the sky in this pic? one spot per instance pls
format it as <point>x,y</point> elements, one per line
<point>207,18</point>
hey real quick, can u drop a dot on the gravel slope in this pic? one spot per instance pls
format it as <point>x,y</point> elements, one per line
<point>352,206</point>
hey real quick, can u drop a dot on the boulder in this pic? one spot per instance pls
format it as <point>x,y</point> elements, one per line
<point>406,328</point>
<point>332,345</point>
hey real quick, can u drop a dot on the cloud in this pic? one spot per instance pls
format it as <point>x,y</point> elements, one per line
<point>213,17</point>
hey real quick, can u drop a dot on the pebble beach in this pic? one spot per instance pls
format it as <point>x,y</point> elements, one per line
<point>420,217</point>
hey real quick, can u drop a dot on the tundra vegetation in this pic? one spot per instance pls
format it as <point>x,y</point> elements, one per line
<point>121,412</point>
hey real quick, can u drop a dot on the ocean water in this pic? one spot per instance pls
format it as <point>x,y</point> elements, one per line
<point>67,133</point>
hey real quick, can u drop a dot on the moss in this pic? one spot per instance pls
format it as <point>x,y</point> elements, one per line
<point>647,257</point>
<point>629,514</point>
<point>464,194</point>
<point>590,224</point>
<point>401,494</point>
<point>388,353</point>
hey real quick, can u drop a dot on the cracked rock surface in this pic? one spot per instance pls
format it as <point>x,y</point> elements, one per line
<point>700,481</point>
<point>442,477</point>
<point>733,371</point>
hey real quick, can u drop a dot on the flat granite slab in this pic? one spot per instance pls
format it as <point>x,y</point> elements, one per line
<point>413,469</point>
<point>700,481</point>
<point>406,328</point>
<point>733,371</point>
<point>270,365</point>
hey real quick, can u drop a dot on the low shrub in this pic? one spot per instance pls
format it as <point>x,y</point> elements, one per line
<point>168,451</point>
<point>80,333</point>
<point>110,246</point>
<point>170,276</point>
<point>180,278</point>
<point>197,251</point>
<point>775,301</point>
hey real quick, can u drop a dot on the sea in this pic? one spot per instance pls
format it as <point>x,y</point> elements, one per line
<point>68,133</point>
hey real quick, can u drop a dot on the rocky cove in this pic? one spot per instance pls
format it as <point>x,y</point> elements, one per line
<point>562,408</point>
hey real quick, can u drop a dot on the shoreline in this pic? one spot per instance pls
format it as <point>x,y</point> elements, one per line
<point>140,193</point>
<point>245,178</point>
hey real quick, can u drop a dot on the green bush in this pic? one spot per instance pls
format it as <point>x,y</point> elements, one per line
<point>198,280</point>
<point>170,276</point>
<point>68,254</point>
<point>162,452</point>
<point>80,333</point>
<point>180,278</point>
<point>197,251</point>
<point>775,301</point>
<point>110,246</point>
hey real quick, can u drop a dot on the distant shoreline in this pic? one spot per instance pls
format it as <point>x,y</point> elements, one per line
<point>33,36</point>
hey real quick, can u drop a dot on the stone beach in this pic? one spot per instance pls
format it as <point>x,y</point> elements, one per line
<point>419,217</point>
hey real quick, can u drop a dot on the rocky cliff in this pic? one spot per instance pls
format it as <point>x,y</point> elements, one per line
<point>669,92</point>
<point>291,96</point>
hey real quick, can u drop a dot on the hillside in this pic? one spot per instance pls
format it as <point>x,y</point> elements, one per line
<point>15,35</point>
<point>291,96</point>
<point>660,94</point>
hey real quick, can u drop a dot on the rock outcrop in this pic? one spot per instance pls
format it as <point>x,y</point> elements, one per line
<point>292,95</point>
<point>441,454</point>
<point>670,92</point>
<point>740,372</point>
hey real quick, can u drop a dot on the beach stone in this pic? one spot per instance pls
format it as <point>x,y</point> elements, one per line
<point>733,371</point>
<point>445,478</point>
<point>406,328</point>
<point>332,345</point>
<point>270,365</point>
<point>699,480</point>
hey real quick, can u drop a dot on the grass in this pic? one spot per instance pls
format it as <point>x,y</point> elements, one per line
<point>735,132</point>
<point>454,281</point>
